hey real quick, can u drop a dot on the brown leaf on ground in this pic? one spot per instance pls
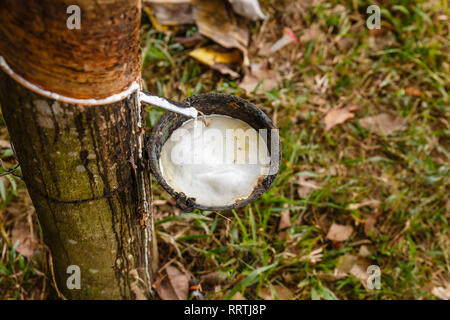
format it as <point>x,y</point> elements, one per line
<point>364,251</point>
<point>219,58</point>
<point>216,54</point>
<point>377,32</point>
<point>367,203</point>
<point>338,232</point>
<point>175,286</point>
<point>285,219</point>
<point>216,22</point>
<point>212,279</point>
<point>379,42</point>
<point>171,12</point>
<point>225,69</point>
<point>165,290</point>
<point>179,281</point>
<point>411,91</point>
<point>314,256</point>
<point>306,186</point>
<point>282,293</point>
<point>238,296</point>
<point>190,41</point>
<point>338,116</point>
<point>351,265</point>
<point>321,84</point>
<point>441,292</point>
<point>259,74</point>
<point>344,265</point>
<point>383,123</point>
<point>27,239</point>
<point>313,33</point>
<point>248,8</point>
<point>359,271</point>
<point>5,144</point>
<point>344,44</point>
<point>155,24</point>
<point>369,225</point>
<point>324,222</point>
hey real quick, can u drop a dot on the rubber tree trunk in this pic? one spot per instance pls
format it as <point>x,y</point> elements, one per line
<point>82,163</point>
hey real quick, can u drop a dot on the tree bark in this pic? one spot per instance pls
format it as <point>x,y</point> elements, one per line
<point>96,61</point>
<point>81,169</point>
<point>83,165</point>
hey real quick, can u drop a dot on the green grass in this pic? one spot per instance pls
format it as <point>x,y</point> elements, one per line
<point>407,171</point>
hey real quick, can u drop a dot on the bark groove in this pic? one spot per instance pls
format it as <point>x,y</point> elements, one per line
<point>81,166</point>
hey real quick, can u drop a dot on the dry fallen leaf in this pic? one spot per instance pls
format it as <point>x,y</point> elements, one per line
<point>367,203</point>
<point>383,123</point>
<point>215,54</point>
<point>248,8</point>
<point>306,187</point>
<point>441,292</point>
<point>219,58</point>
<point>313,33</point>
<point>344,44</point>
<point>261,75</point>
<point>377,32</point>
<point>282,293</point>
<point>165,290</point>
<point>190,41</point>
<point>285,219</point>
<point>314,256</point>
<point>238,296</point>
<point>179,281</point>
<point>359,271</point>
<point>175,286</point>
<point>338,116</point>
<point>321,84</point>
<point>411,91</point>
<point>369,225</point>
<point>338,232</point>
<point>351,265</point>
<point>324,222</point>
<point>216,22</point>
<point>364,251</point>
<point>344,265</point>
<point>380,41</point>
<point>27,239</point>
<point>5,144</point>
<point>225,69</point>
<point>212,279</point>
<point>171,12</point>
